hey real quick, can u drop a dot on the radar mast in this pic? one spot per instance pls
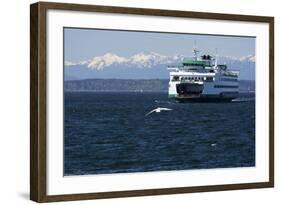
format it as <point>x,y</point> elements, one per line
<point>195,51</point>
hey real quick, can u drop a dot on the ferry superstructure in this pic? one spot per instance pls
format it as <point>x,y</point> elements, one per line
<point>202,79</point>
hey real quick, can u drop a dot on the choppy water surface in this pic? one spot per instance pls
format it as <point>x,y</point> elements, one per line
<point>108,133</point>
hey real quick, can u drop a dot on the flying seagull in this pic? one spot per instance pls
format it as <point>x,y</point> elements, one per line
<point>159,109</point>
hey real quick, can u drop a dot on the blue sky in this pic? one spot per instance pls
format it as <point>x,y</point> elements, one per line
<point>84,44</point>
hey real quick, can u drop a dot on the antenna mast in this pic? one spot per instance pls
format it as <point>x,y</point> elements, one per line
<point>195,51</point>
<point>216,60</point>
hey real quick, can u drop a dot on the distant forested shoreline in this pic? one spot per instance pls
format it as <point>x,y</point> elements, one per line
<point>133,85</point>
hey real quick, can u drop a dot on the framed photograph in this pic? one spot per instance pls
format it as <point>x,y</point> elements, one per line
<point>135,102</point>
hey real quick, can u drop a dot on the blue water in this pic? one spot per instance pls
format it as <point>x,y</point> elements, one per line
<point>107,132</point>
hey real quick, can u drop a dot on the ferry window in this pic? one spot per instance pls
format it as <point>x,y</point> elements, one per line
<point>204,78</point>
<point>175,78</point>
<point>209,79</point>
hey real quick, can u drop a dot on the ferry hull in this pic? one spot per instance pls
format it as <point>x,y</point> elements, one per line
<point>205,99</point>
<point>223,97</point>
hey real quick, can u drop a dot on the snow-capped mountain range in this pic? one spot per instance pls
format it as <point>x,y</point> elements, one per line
<point>140,60</point>
<point>142,65</point>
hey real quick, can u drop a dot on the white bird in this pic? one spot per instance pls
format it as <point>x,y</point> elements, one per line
<point>159,109</point>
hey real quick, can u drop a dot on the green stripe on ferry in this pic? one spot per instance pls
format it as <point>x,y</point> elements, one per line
<point>193,62</point>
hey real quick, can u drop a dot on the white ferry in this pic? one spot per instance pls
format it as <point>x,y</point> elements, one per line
<point>202,80</point>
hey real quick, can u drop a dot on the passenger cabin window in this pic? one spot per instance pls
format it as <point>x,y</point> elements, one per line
<point>222,67</point>
<point>176,78</point>
<point>209,79</point>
